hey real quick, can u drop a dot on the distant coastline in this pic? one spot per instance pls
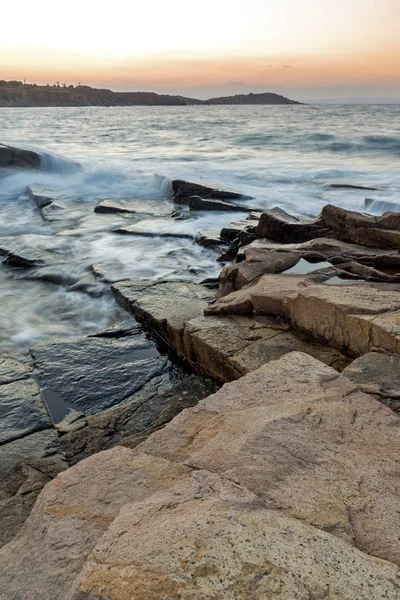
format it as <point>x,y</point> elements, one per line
<point>19,94</point>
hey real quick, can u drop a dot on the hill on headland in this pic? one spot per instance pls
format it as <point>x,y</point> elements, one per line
<point>16,93</point>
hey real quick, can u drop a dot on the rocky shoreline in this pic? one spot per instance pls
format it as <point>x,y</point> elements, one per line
<point>160,483</point>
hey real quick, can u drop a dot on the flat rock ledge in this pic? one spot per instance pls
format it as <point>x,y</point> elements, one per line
<point>281,485</point>
<point>223,348</point>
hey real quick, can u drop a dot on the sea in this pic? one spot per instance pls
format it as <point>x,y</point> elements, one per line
<point>286,156</point>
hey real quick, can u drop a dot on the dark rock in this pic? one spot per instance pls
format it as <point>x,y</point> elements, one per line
<point>198,203</point>
<point>120,330</point>
<point>276,224</point>
<point>350,186</point>
<point>93,374</point>
<point>110,207</point>
<point>18,158</point>
<point>183,190</point>
<point>73,421</point>
<point>231,231</point>
<point>22,410</point>
<point>135,230</point>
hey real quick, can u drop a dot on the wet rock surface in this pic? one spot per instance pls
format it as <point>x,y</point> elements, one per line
<point>131,422</point>
<point>22,410</point>
<point>93,374</point>
<point>272,487</point>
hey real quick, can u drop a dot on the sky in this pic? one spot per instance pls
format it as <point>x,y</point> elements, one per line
<point>309,50</point>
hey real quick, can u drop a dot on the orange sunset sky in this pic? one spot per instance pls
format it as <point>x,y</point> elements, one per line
<point>308,49</point>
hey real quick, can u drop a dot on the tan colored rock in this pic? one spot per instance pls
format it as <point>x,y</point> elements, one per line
<point>242,273</point>
<point>323,249</point>
<point>300,499</point>
<point>377,374</point>
<point>266,296</point>
<point>209,538</point>
<point>224,349</point>
<point>362,228</point>
<point>354,318</point>
<point>228,348</point>
<point>306,442</point>
<point>71,515</point>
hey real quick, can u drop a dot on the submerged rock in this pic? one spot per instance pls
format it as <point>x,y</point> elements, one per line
<point>249,495</point>
<point>350,186</point>
<point>19,253</point>
<point>183,190</point>
<point>136,230</point>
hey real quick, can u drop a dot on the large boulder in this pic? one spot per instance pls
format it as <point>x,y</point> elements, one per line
<point>18,158</point>
<point>283,485</point>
